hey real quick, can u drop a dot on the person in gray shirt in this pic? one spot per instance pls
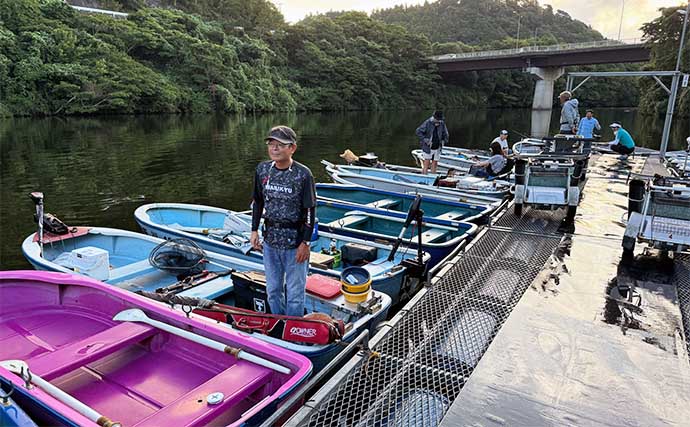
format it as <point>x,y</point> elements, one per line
<point>285,197</point>
<point>570,116</point>
<point>491,167</point>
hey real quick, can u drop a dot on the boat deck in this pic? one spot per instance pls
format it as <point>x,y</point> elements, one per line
<point>519,330</point>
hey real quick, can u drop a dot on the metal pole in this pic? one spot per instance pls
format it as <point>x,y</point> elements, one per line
<point>517,41</point>
<point>682,37</point>
<point>674,89</point>
<point>620,26</point>
<point>669,115</point>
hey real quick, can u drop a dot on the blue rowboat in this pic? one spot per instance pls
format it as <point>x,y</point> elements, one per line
<point>208,227</point>
<point>436,211</point>
<point>453,159</point>
<point>12,414</point>
<point>128,267</point>
<point>438,240</point>
<point>469,189</point>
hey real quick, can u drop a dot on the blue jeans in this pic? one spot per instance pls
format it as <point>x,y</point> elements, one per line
<point>285,276</point>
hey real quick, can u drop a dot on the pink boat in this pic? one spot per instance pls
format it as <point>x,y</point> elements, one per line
<point>98,355</point>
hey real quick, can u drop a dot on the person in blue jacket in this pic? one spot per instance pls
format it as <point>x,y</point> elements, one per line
<point>623,144</point>
<point>588,125</point>
<point>433,135</point>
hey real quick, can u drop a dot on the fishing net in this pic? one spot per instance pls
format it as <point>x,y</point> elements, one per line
<point>178,256</point>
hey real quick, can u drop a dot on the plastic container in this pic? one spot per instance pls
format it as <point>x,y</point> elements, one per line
<point>315,231</point>
<point>355,281</point>
<point>91,261</point>
<point>356,298</point>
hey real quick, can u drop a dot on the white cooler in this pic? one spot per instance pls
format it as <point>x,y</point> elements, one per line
<point>91,261</point>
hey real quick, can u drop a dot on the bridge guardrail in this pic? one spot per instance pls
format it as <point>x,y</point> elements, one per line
<point>529,49</point>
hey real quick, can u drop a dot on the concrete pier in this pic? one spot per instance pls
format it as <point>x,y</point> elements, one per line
<point>527,326</point>
<point>543,88</point>
<point>565,358</point>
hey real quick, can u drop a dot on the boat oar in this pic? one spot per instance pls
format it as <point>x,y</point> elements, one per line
<point>136,315</point>
<point>20,368</point>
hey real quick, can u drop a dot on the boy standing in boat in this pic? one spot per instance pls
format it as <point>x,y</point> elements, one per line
<point>285,197</point>
<point>433,135</point>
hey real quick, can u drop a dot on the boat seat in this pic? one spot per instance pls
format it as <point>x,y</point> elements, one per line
<point>384,203</point>
<point>129,270</point>
<point>77,354</point>
<point>432,235</point>
<point>348,221</point>
<point>451,216</point>
<point>237,383</point>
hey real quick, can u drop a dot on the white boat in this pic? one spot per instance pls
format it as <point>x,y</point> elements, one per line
<point>468,189</point>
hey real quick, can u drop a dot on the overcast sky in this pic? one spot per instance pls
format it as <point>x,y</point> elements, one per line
<point>602,15</point>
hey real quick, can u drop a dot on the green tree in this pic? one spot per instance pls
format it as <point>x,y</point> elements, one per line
<point>662,35</point>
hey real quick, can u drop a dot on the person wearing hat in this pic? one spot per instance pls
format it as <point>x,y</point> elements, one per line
<point>491,167</point>
<point>432,134</point>
<point>623,144</point>
<point>588,125</point>
<point>570,116</point>
<point>502,139</point>
<point>285,197</point>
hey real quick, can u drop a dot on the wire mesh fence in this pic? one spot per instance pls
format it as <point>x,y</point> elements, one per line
<point>681,278</point>
<point>532,221</point>
<point>422,363</point>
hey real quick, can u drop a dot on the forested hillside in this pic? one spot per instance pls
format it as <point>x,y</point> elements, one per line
<point>488,22</point>
<point>172,56</point>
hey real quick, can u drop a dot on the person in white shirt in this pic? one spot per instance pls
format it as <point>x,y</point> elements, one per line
<point>502,139</point>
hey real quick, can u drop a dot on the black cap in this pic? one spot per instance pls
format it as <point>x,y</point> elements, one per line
<point>282,134</point>
<point>438,115</point>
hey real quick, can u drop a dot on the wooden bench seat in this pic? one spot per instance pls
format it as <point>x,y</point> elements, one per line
<point>384,203</point>
<point>77,354</point>
<point>129,270</point>
<point>348,221</point>
<point>433,235</point>
<point>236,383</point>
<point>451,216</point>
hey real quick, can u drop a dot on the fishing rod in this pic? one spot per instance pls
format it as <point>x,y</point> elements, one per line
<point>417,214</point>
<point>519,133</point>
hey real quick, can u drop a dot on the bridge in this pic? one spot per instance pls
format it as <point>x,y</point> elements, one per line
<point>546,62</point>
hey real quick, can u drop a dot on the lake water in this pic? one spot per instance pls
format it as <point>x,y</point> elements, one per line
<point>96,171</point>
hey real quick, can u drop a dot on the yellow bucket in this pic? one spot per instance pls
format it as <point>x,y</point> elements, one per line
<point>356,298</point>
<point>355,284</point>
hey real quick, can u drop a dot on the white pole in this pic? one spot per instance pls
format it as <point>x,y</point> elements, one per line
<point>620,26</point>
<point>136,315</point>
<point>517,41</point>
<point>20,368</point>
<point>682,37</point>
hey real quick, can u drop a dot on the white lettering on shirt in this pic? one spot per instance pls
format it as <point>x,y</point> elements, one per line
<point>278,188</point>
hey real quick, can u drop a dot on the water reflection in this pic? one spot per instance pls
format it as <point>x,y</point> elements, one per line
<point>96,171</point>
<point>541,120</point>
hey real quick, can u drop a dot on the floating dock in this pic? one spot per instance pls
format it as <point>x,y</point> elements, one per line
<point>528,326</point>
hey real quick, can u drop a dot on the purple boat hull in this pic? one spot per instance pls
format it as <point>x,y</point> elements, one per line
<point>137,374</point>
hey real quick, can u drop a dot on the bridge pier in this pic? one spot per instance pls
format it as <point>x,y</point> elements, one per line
<point>543,89</point>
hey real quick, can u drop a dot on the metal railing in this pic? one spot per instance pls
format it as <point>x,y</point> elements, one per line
<point>541,49</point>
